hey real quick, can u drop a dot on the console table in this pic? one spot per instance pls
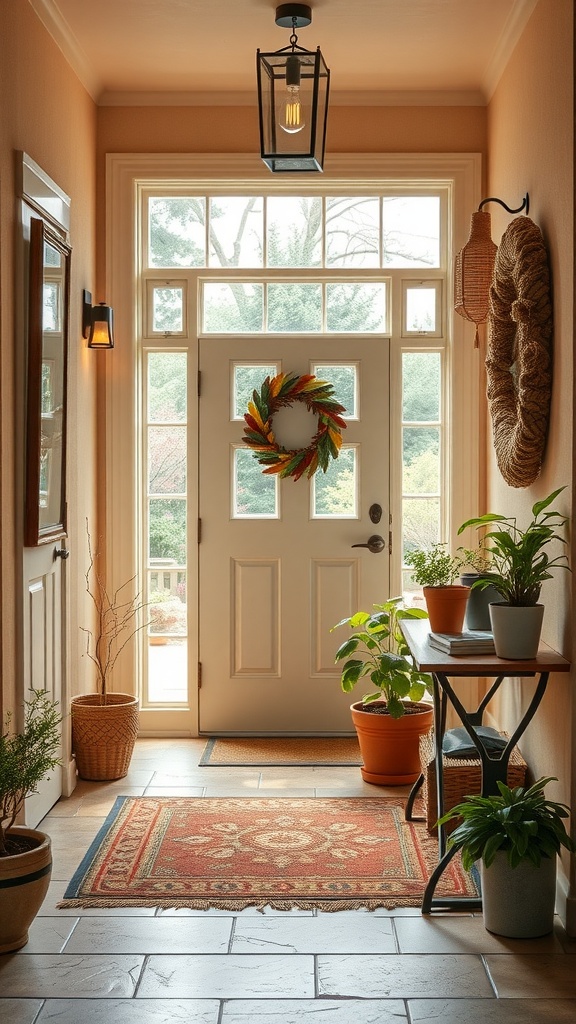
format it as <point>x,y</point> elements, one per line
<point>442,667</point>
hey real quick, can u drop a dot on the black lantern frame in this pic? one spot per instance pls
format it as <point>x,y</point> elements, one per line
<point>303,150</point>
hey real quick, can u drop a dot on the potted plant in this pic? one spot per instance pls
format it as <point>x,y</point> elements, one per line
<point>519,564</point>
<point>436,571</point>
<point>105,724</point>
<point>517,835</point>
<point>390,720</point>
<point>25,853</point>
<point>475,563</point>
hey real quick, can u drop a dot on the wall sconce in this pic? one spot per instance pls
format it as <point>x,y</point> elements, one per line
<point>293,87</point>
<point>97,323</point>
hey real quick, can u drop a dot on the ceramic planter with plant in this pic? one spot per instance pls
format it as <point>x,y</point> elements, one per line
<point>25,853</point>
<point>105,723</point>
<point>519,564</point>
<point>517,836</point>
<point>391,718</point>
<point>475,565</point>
<point>436,571</point>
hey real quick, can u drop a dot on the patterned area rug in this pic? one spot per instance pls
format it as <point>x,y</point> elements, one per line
<point>266,751</point>
<point>231,853</point>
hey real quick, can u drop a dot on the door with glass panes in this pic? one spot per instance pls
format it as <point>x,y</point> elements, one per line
<point>280,563</point>
<point>346,288</point>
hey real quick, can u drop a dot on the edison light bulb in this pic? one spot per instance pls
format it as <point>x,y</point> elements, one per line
<point>293,119</point>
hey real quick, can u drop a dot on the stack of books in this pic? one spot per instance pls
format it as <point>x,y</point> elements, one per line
<point>470,641</point>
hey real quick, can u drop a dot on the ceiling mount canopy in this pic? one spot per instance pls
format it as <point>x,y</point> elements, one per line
<point>293,86</point>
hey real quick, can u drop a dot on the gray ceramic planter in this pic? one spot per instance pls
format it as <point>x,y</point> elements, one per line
<point>519,902</point>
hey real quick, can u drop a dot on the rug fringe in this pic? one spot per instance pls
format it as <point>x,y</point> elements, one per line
<point>233,905</point>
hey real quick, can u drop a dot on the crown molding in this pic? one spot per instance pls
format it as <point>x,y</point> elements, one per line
<point>66,41</point>
<point>513,29</point>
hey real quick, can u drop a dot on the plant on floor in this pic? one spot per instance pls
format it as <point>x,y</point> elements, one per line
<point>518,562</point>
<point>25,758</point>
<point>117,620</point>
<point>384,656</point>
<point>520,822</point>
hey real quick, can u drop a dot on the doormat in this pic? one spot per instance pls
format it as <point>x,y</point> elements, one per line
<point>282,752</point>
<point>231,853</point>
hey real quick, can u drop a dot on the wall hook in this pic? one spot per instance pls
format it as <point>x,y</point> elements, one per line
<point>525,204</point>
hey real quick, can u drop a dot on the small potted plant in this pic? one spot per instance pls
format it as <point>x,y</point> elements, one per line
<point>519,564</point>
<point>516,835</point>
<point>475,565</point>
<point>436,571</point>
<point>389,720</point>
<point>105,723</point>
<point>25,853</point>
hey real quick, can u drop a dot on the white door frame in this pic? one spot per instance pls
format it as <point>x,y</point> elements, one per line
<point>126,175</point>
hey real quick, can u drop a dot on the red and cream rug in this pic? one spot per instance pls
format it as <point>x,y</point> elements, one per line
<point>231,853</point>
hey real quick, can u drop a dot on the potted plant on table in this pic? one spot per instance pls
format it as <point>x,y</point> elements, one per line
<point>105,723</point>
<point>475,564</point>
<point>516,835</point>
<point>25,853</point>
<point>390,720</point>
<point>436,571</point>
<point>519,564</point>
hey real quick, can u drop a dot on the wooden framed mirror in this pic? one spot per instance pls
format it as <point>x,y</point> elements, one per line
<point>48,316</point>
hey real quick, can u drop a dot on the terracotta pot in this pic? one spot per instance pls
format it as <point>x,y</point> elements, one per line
<point>516,630</point>
<point>103,735</point>
<point>446,607</point>
<point>390,746</point>
<point>24,881</point>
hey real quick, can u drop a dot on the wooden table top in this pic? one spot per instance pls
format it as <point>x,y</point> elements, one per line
<point>429,659</point>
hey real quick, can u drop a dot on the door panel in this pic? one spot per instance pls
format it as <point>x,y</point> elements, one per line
<point>274,582</point>
<point>42,637</point>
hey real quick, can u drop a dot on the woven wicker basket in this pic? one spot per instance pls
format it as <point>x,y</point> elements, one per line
<point>462,777</point>
<point>103,735</point>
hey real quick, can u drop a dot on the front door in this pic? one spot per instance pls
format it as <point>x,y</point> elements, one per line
<point>42,649</point>
<point>278,562</point>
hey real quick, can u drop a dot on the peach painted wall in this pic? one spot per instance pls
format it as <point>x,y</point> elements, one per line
<point>531,149</point>
<point>48,114</point>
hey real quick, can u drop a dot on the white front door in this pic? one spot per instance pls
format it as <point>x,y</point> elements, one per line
<point>278,566</point>
<point>42,649</point>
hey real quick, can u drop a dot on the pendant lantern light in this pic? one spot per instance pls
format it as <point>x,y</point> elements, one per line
<point>293,88</point>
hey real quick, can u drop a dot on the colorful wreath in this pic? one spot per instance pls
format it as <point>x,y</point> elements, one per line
<point>283,390</point>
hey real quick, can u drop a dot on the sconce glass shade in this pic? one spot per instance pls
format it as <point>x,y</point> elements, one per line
<point>97,323</point>
<point>293,89</point>
<point>102,330</point>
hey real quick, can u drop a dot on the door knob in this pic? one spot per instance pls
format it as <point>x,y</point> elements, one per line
<point>375,544</point>
<point>61,553</point>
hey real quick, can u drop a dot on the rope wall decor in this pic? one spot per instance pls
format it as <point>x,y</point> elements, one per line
<point>519,352</point>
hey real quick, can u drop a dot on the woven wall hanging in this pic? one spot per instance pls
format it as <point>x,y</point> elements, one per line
<point>473,272</point>
<point>519,352</point>
<point>474,266</point>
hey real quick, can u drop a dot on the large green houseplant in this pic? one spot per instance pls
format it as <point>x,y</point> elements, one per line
<point>390,719</point>
<point>436,571</point>
<point>519,564</point>
<point>25,853</point>
<point>516,834</point>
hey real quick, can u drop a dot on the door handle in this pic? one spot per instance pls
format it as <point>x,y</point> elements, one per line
<point>375,544</point>
<point>61,553</point>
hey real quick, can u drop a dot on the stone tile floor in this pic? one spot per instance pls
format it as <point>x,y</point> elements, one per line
<point>140,966</point>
